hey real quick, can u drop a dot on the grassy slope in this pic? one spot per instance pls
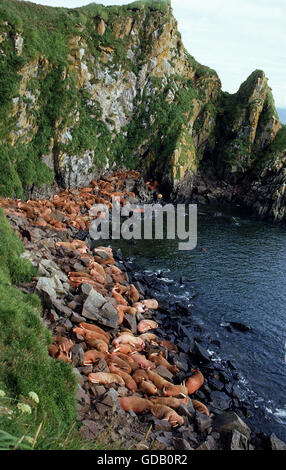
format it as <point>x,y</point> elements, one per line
<point>24,361</point>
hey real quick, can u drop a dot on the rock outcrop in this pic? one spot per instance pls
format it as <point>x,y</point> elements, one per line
<point>105,87</point>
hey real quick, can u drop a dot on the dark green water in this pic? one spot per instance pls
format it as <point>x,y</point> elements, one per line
<point>240,276</point>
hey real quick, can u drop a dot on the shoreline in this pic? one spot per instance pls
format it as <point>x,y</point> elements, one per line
<point>64,312</point>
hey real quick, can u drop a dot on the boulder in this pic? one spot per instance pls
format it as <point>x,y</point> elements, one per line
<point>209,444</point>
<point>240,326</point>
<point>238,441</point>
<point>276,444</point>
<point>200,353</point>
<point>229,422</point>
<point>203,422</point>
<point>46,288</point>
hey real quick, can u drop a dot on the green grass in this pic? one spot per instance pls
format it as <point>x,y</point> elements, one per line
<point>25,364</point>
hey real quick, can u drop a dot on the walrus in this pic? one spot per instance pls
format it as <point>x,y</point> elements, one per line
<point>195,382</point>
<point>136,404</point>
<point>164,412</point>
<point>200,407</point>
<point>146,325</point>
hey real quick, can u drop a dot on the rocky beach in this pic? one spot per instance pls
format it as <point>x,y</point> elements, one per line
<point>147,374</point>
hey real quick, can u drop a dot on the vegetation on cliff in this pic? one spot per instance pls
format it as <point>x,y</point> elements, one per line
<point>94,87</point>
<point>56,63</point>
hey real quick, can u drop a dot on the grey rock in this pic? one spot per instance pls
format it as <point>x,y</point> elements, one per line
<point>86,289</point>
<point>203,422</point>
<point>187,410</point>
<point>276,444</point>
<point>161,425</point>
<point>98,390</point>
<point>76,318</point>
<point>209,444</point>
<point>101,366</point>
<point>53,316</point>
<point>79,377</point>
<point>238,441</point>
<point>181,444</point>
<point>85,370</point>
<point>80,396</point>
<point>108,316</point>
<point>230,421</point>
<point>130,322</point>
<point>48,266</point>
<point>165,373</point>
<point>68,325</point>
<point>96,308</point>
<point>62,309</point>
<point>77,355</point>
<point>46,288</point>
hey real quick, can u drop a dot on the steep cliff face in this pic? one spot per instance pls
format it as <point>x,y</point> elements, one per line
<point>247,124</point>
<point>98,87</point>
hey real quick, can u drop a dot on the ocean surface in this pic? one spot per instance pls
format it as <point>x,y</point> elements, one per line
<point>239,272</point>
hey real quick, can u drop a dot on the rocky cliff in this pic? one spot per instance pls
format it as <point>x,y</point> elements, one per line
<point>103,87</point>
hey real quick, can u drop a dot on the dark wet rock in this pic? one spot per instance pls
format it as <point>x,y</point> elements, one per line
<point>85,370</point>
<point>181,444</point>
<point>77,355</point>
<point>53,316</point>
<point>237,392</point>
<point>228,389</point>
<point>184,345</point>
<point>203,422</point>
<point>161,425</point>
<point>102,409</point>
<point>220,401</point>
<point>240,326</point>
<point>188,433</point>
<point>182,309</point>
<point>229,422</point>
<point>200,353</point>
<point>276,444</point>
<point>200,395</point>
<point>186,280</point>
<point>215,384</point>
<point>232,365</point>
